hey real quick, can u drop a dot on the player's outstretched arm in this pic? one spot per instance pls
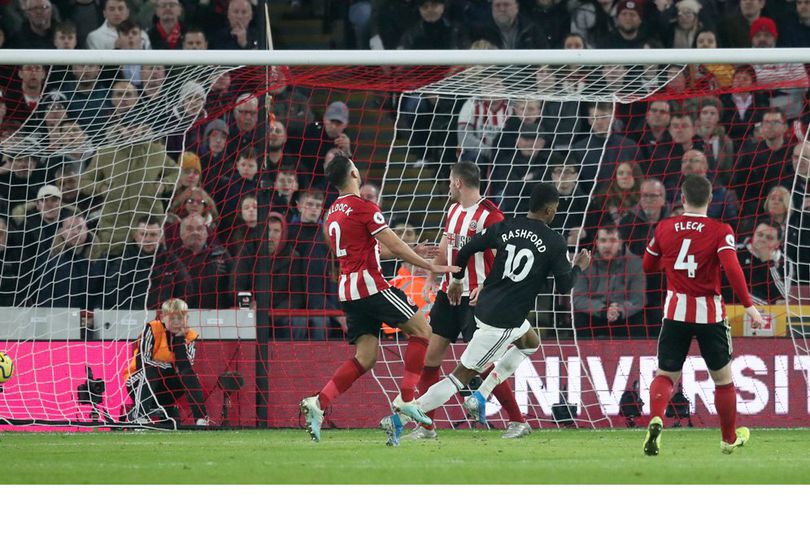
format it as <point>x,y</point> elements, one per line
<point>440,260</point>
<point>403,251</point>
<point>565,275</point>
<point>734,273</point>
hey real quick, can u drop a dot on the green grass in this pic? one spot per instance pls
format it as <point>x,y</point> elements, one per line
<point>361,457</point>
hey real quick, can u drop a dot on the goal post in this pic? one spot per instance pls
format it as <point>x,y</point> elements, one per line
<point>115,138</point>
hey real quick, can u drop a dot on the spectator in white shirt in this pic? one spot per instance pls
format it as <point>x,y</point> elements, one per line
<point>106,36</point>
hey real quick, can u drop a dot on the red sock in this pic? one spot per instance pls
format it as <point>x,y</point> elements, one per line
<point>660,393</point>
<point>503,393</point>
<point>414,362</point>
<point>348,372</point>
<point>725,401</point>
<point>430,376</point>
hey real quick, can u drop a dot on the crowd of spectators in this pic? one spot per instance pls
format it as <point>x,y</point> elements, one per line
<point>236,206</point>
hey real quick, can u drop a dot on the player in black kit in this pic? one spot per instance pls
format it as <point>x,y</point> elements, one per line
<point>528,252</point>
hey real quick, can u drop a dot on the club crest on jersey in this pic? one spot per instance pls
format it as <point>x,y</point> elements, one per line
<point>473,225</point>
<point>457,241</point>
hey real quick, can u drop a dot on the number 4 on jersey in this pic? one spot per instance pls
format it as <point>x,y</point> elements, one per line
<point>685,261</point>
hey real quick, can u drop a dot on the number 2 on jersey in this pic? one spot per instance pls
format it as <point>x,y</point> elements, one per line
<point>334,227</point>
<point>685,261</point>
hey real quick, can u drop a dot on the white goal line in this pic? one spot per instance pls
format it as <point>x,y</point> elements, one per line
<point>407,57</point>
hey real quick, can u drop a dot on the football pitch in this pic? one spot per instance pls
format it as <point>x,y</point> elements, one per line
<point>774,456</point>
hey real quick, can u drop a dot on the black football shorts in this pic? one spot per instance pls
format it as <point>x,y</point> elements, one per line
<point>449,321</point>
<point>365,316</point>
<point>713,339</point>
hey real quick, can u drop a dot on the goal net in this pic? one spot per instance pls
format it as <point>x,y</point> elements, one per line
<point>206,183</point>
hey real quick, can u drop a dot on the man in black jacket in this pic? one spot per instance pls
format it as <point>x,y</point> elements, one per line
<point>147,274</point>
<point>274,273</point>
<point>508,29</point>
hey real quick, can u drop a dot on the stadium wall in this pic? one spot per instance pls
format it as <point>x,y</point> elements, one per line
<point>771,380</point>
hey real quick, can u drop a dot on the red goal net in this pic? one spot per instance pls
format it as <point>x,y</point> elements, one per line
<point>207,184</point>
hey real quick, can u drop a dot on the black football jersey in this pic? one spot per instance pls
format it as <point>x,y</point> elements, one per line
<point>528,252</point>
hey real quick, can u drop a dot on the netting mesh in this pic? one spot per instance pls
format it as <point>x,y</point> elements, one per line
<point>207,184</point>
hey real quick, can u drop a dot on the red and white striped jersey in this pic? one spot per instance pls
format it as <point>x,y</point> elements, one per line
<point>480,123</point>
<point>459,227</point>
<point>352,223</point>
<point>688,247</point>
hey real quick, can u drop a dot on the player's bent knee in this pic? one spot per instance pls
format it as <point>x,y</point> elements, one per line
<point>417,326</point>
<point>529,342</point>
<point>437,346</point>
<point>674,376</point>
<point>722,376</point>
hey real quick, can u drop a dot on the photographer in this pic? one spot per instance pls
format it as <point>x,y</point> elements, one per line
<point>161,370</point>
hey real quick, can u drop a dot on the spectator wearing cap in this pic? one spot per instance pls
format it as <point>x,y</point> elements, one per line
<point>37,30</point>
<point>681,32</point>
<point>735,29</point>
<point>516,173</point>
<point>796,31</point>
<point>190,173</point>
<point>168,31</point>
<point>433,30</point>
<point>793,76</point>
<point>507,28</point>
<point>214,157</point>
<point>106,36</point>
<point>630,31</point>
<point>31,235</point>
<point>319,137</point>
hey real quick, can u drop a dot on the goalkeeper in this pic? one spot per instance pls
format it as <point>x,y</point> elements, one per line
<point>160,371</point>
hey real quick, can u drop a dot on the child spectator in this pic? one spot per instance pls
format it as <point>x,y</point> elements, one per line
<point>214,161</point>
<point>64,36</point>
<point>306,235</point>
<point>242,182</point>
<point>285,190</point>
